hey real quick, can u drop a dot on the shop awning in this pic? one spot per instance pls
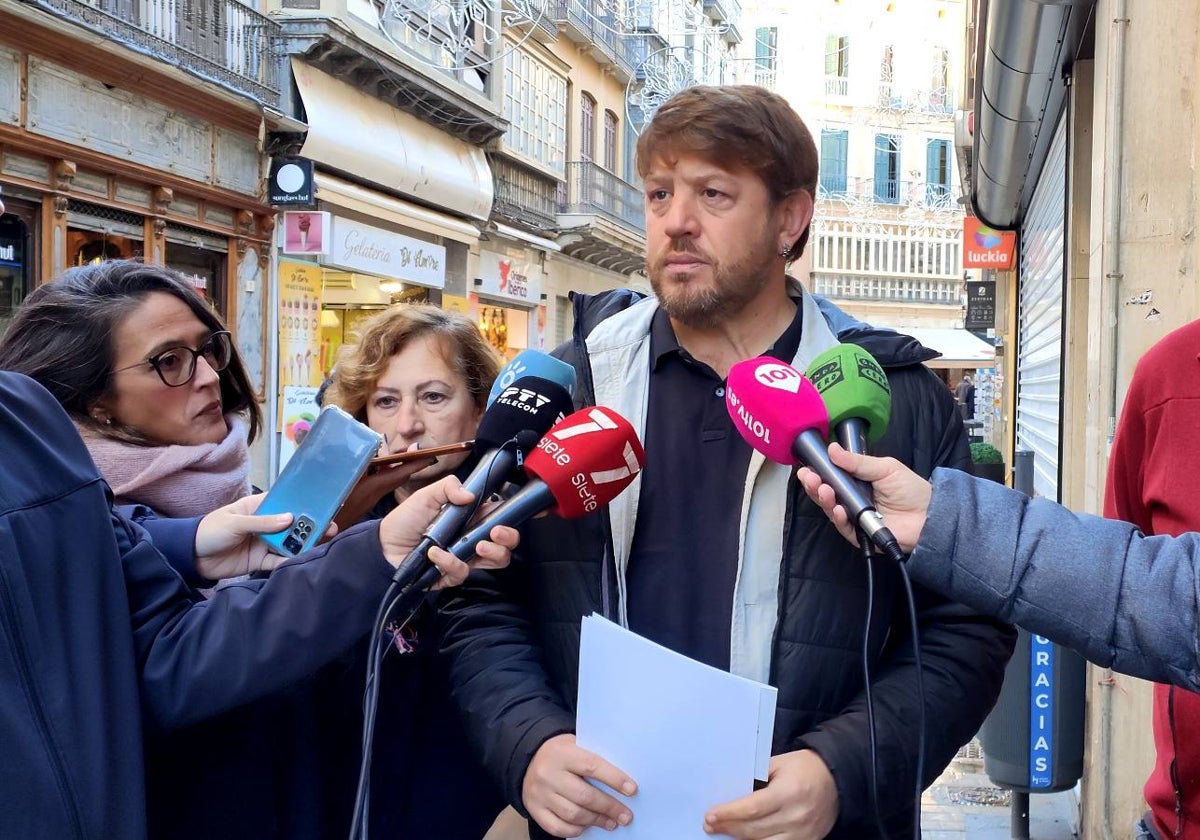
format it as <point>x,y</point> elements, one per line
<point>385,208</point>
<point>959,348</point>
<point>364,137</point>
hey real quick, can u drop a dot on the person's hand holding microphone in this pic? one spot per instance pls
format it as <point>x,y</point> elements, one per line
<point>901,496</point>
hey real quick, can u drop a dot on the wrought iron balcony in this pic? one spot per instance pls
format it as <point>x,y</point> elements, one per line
<point>444,76</point>
<point>222,41</point>
<point>837,87</point>
<point>593,190</point>
<point>888,289</point>
<point>933,196</point>
<point>522,196</point>
<point>718,10</point>
<point>593,24</point>
<point>601,218</point>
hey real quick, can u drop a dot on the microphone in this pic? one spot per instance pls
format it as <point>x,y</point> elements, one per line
<point>856,394</point>
<point>579,467</point>
<point>521,414</point>
<point>533,363</point>
<point>780,414</point>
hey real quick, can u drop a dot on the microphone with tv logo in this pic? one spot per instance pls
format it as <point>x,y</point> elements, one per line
<point>780,414</point>
<point>533,363</point>
<point>857,396</point>
<point>584,462</point>
<point>521,414</point>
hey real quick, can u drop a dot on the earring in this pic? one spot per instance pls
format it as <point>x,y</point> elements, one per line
<point>102,419</point>
<point>783,249</point>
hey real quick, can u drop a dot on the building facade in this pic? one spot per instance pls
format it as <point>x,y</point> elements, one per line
<point>878,87</point>
<point>132,130</point>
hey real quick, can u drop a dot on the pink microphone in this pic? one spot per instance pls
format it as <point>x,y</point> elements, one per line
<point>771,404</point>
<point>781,414</point>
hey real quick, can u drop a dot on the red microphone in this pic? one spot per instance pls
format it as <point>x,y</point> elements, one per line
<point>781,414</point>
<point>578,467</point>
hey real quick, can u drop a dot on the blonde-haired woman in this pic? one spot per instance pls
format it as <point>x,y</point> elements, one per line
<point>417,375</point>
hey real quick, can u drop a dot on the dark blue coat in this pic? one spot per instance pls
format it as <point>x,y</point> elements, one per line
<point>101,639</point>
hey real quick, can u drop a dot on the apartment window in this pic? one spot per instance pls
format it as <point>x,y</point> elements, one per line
<point>833,161</point>
<point>886,76</point>
<point>837,65</point>
<point>766,55</point>
<point>939,94</point>
<point>631,139</point>
<point>535,105</point>
<point>610,141</point>
<point>587,126</point>
<point>887,168</point>
<point>937,173</point>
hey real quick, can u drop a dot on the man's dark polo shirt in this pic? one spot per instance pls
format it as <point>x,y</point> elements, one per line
<point>683,562</point>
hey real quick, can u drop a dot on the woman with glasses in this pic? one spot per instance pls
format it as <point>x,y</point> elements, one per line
<point>151,378</point>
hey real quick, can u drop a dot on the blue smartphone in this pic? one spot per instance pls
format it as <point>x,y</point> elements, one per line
<point>320,475</point>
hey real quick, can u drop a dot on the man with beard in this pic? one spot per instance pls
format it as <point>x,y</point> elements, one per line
<point>714,552</point>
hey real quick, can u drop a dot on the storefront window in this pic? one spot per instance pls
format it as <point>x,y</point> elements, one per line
<point>205,268</point>
<point>504,328</point>
<point>14,260</point>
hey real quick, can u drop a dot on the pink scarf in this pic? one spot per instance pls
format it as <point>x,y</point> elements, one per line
<point>176,481</point>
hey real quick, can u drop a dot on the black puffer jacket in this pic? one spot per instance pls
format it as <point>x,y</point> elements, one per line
<point>513,637</point>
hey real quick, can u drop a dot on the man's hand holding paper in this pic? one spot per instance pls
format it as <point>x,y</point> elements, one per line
<point>556,792</point>
<point>800,802</point>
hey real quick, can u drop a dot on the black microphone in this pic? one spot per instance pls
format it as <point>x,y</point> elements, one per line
<point>520,415</point>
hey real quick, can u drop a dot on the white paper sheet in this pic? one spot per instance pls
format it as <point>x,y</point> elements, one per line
<point>690,735</point>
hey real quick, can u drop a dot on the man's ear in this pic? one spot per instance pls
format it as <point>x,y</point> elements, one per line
<point>795,215</point>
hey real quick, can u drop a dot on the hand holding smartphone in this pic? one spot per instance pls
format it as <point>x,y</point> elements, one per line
<point>318,478</point>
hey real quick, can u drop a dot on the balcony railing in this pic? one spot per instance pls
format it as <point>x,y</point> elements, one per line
<point>922,193</point>
<point>602,30</point>
<point>888,289</point>
<point>220,40</point>
<point>838,86</point>
<point>522,196</point>
<point>894,251</point>
<point>593,190</point>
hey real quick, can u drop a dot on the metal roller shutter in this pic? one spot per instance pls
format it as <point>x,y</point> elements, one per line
<point>1040,320</point>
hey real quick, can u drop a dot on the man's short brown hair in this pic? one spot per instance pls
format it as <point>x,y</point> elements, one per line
<point>736,127</point>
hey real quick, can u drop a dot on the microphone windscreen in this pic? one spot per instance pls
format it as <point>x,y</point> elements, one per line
<point>853,385</point>
<point>533,363</point>
<point>771,403</point>
<point>529,404</point>
<point>586,460</point>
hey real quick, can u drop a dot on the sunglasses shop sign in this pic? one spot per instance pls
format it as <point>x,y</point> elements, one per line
<point>372,250</point>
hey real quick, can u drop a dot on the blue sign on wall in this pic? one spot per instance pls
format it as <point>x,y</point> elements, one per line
<point>1041,711</point>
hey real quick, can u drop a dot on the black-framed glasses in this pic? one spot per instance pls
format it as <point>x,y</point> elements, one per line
<point>176,366</point>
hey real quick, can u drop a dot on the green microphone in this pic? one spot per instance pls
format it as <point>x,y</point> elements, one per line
<point>856,394</point>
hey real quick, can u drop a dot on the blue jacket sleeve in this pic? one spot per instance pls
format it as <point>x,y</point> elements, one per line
<point>199,657</point>
<point>175,540</point>
<point>1123,600</point>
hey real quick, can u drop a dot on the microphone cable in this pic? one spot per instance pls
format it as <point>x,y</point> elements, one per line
<point>379,642</point>
<point>912,617</point>
<point>868,558</point>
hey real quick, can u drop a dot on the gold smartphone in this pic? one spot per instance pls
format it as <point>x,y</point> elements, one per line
<point>411,454</point>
